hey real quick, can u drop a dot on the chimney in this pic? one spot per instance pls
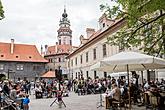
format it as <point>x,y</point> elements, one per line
<point>90,31</point>
<point>12,46</point>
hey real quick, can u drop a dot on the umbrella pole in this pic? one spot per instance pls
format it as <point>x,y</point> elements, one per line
<point>142,87</point>
<point>142,80</point>
<point>129,95</point>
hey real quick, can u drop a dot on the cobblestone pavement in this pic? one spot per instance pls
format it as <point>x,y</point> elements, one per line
<point>73,102</point>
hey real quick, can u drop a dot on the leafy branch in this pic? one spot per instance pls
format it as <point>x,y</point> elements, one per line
<point>147,23</point>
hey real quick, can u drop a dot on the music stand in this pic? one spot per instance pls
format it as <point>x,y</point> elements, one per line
<point>58,100</point>
<point>59,93</point>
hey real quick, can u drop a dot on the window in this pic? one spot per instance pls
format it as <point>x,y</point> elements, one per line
<point>87,74</point>
<point>1,67</point>
<point>94,53</point>
<point>87,57</point>
<point>76,61</point>
<point>59,59</point>
<point>103,25</point>
<point>76,74</point>
<point>68,64</point>
<point>81,73</point>
<point>105,74</point>
<point>19,67</point>
<point>36,67</point>
<point>104,50</point>
<point>71,62</point>
<point>60,42</point>
<point>81,59</point>
<point>72,76</point>
<point>70,42</point>
<point>95,75</point>
<point>64,40</point>
<point>62,59</point>
<point>51,60</point>
<point>54,60</point>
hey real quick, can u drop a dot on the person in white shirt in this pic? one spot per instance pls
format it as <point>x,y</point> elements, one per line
<point>114,94</point>
<point>147,86</point>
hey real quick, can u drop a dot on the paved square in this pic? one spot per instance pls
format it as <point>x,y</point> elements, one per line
<point>73,102</point>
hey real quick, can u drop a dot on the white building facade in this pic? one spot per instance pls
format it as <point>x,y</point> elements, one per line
<point>94,48</point>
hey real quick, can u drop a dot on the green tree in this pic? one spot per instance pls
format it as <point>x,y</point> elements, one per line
<point>145,27</point>
<point>1,11</point>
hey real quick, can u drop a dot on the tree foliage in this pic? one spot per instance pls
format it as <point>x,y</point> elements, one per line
<point>1,11</point>
<point>145,27</point>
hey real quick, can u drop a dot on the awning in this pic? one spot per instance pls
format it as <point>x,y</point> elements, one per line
<point>49,74</point>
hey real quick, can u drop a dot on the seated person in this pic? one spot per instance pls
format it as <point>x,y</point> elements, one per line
<point>124,91</point>
<point>38,88</point>
<point>154,90</point>
<point>38,91</point>
<point>147,86</point>
<point>114,94</point>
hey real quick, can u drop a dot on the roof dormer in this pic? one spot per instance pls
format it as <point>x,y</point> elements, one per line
<point>104,22</point>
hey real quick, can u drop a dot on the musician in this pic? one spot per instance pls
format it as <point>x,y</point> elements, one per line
<point>114,94</point>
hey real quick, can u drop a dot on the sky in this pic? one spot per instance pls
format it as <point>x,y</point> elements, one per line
<point>36,22</point>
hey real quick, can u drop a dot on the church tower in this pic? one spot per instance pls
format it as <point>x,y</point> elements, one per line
<point>64,32</point>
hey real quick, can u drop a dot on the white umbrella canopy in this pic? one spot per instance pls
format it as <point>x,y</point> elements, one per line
<point>118,74</point>
<point>129,61</point>
<point>136,62</point>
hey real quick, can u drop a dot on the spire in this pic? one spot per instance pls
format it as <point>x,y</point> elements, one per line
<point>64,32</point>
<point>64,15</point>
<point>64,9</point>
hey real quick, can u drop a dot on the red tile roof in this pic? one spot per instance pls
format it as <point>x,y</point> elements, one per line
<point>49,74</point>
<point>21,52</point>
<point>59,49</point>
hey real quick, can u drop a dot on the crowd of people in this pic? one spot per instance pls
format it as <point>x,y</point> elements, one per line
<point>115,89</point>
<point>51,87</point>
<point>118,89</point>
<point>15,94</point>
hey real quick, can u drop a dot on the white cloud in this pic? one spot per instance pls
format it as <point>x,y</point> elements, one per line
<point>37,21</point>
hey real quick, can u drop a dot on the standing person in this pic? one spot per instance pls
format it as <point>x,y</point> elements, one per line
<point>29,87</point>
<point>6,88</point>
<point>26,102</point>
<point>13,93</point>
